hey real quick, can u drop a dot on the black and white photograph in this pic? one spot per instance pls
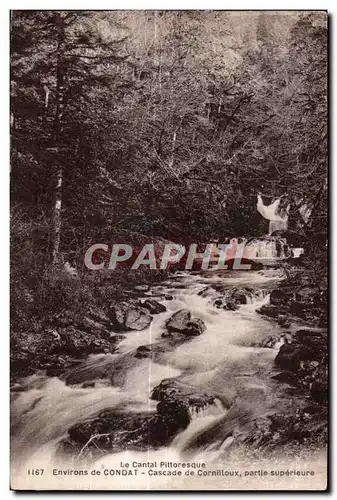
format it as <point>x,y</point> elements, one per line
<point>169,250</point>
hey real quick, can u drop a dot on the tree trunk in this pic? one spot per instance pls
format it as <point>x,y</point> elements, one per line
<point>57,220</point>
<point>57,133</point>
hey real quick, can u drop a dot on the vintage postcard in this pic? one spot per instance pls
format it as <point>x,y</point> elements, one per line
<point>169,250</point>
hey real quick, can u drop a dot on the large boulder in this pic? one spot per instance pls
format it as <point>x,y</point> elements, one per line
<point>182,323</point>
<point>153,306</point>
<point>288,358</point>
<point>113,431</point>
<point>174,390</point>
<point>271,310</point>
<point>127,316</point>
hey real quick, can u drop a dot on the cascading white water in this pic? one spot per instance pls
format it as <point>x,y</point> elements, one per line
<point>215,408</point>
<point>268,248</point>
<point>278,217</point>
<point>220,361</point>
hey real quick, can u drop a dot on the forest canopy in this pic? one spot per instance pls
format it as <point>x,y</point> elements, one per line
<point>164,124</point>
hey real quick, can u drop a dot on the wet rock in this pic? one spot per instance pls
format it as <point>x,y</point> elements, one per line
<point>172,389</point>
<point>271,310</point>
<point>112,431</point>
<point>127,316</point>
<point>143,351</point>
<point>137,318</point>
<point>167,335</point>
<point>288,358</point>
<point>233,298</point>
<point>110,427</point>
<point>239,297</point>
<point>163,428</point>
<point>168,297</point>
<point>195,327</point>
<point>230,306</point>
<point>153,306</point>
<point>178,321</point>
<point>181,322</point>
<point>149,351</point>
<point>175,412</point>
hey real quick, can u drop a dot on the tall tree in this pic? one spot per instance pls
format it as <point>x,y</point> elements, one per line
<point>59,59</point>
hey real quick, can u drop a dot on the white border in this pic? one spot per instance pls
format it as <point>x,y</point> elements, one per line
<point>4,179</point>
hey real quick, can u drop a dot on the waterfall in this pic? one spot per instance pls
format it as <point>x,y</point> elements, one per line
<point>269,247</point>
<point>278,217</point>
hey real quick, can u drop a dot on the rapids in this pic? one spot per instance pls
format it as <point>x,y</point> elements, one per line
<point>224,360</point>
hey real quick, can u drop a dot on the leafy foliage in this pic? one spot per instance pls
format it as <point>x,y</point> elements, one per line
<point>171,123</point>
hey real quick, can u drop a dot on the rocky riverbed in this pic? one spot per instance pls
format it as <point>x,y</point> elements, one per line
<point>244,356</point>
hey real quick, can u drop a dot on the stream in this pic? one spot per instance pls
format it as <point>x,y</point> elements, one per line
<point>224,360</point>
